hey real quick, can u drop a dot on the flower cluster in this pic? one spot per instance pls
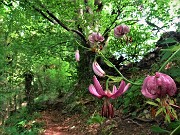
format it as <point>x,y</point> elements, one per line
<point>96,39</point>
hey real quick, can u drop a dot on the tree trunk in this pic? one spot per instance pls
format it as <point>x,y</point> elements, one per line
<point>28,89</point>
<point>84,69</point>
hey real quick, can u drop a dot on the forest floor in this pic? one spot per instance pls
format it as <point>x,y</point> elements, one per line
<point>59,123</point>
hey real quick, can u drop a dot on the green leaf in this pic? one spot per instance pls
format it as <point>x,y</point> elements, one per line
<point>108,63</point>
<point>152,103</point>
<point>168,41</point>
<point>173,113</point>
<point>157,129</point>
<point>158,100</point>
<point>96,119</point>
<point>159,111</point>
<point>174,124</point>
<point>167,118</point>
<point>115,79</point>
<point>176,131</point>
<point>172,48</point>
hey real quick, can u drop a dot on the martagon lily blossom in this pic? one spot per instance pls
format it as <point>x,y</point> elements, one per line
<point>158,86</point>
<point>95,38</point>
<point>120,30</point>
<point>161,86</point>
<point>97,90</point>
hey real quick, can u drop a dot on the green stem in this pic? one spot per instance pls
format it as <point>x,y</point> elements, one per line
<point>118,70</point>
<point>165,63</point>
<point>83,46</point>
<point>107,81</point>
<point>175,131</point>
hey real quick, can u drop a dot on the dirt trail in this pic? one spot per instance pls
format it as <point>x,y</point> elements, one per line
<point>57,123</point>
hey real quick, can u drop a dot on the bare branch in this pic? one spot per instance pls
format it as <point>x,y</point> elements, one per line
<point>44,15</point>
<point>58,21</point>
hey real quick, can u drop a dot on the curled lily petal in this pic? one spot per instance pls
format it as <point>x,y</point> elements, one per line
<point>122,88</point>
<point>97,69</point>
<point>114,89</point>
<point>98,87</point>
<point>126,87</point>
<point>168,84</point>
<point>93,91</point>
<point>145,90</point>
<point>122,85</point>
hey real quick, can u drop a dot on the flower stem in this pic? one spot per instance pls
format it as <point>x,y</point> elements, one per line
<point>165,63</point>
<point>118,70</point>
<point>107,81</point>
<point>83,46</point>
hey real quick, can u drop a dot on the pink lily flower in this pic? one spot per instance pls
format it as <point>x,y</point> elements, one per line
<point>158,86</point>
<point>97,69</point>
<point>95,37</point>
<point>97,90</point>
<point>120,30</point>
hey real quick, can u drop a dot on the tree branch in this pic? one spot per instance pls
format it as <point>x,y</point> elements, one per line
<point>58,21</point>
<point>44,15</point>
<point>64,26</point>
<point>105,34</point>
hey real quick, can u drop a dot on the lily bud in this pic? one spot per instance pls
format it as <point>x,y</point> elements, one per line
<point>120,30</point>
<point>97,69</point>
<point>158,86</point>
<point>95,37</point>
<point>77,56</point>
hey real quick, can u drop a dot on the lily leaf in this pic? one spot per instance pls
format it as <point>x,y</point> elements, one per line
<point>169,40</point>
<point>176,131</point>
<point>159,111</point>
<point>158,100</point>
<point>152,103</point>
<point>167,118</point>
<point>108,63</point>
<point>115,79</point>
<point>157,129</point>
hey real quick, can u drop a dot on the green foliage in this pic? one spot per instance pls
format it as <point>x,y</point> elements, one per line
<point>21,123</point>
<point>96,119</point>
<point>164,107</point>
<point>157,129</point>
<point>172,128</point>
<point>131,100</point>
<point>174,63</point>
